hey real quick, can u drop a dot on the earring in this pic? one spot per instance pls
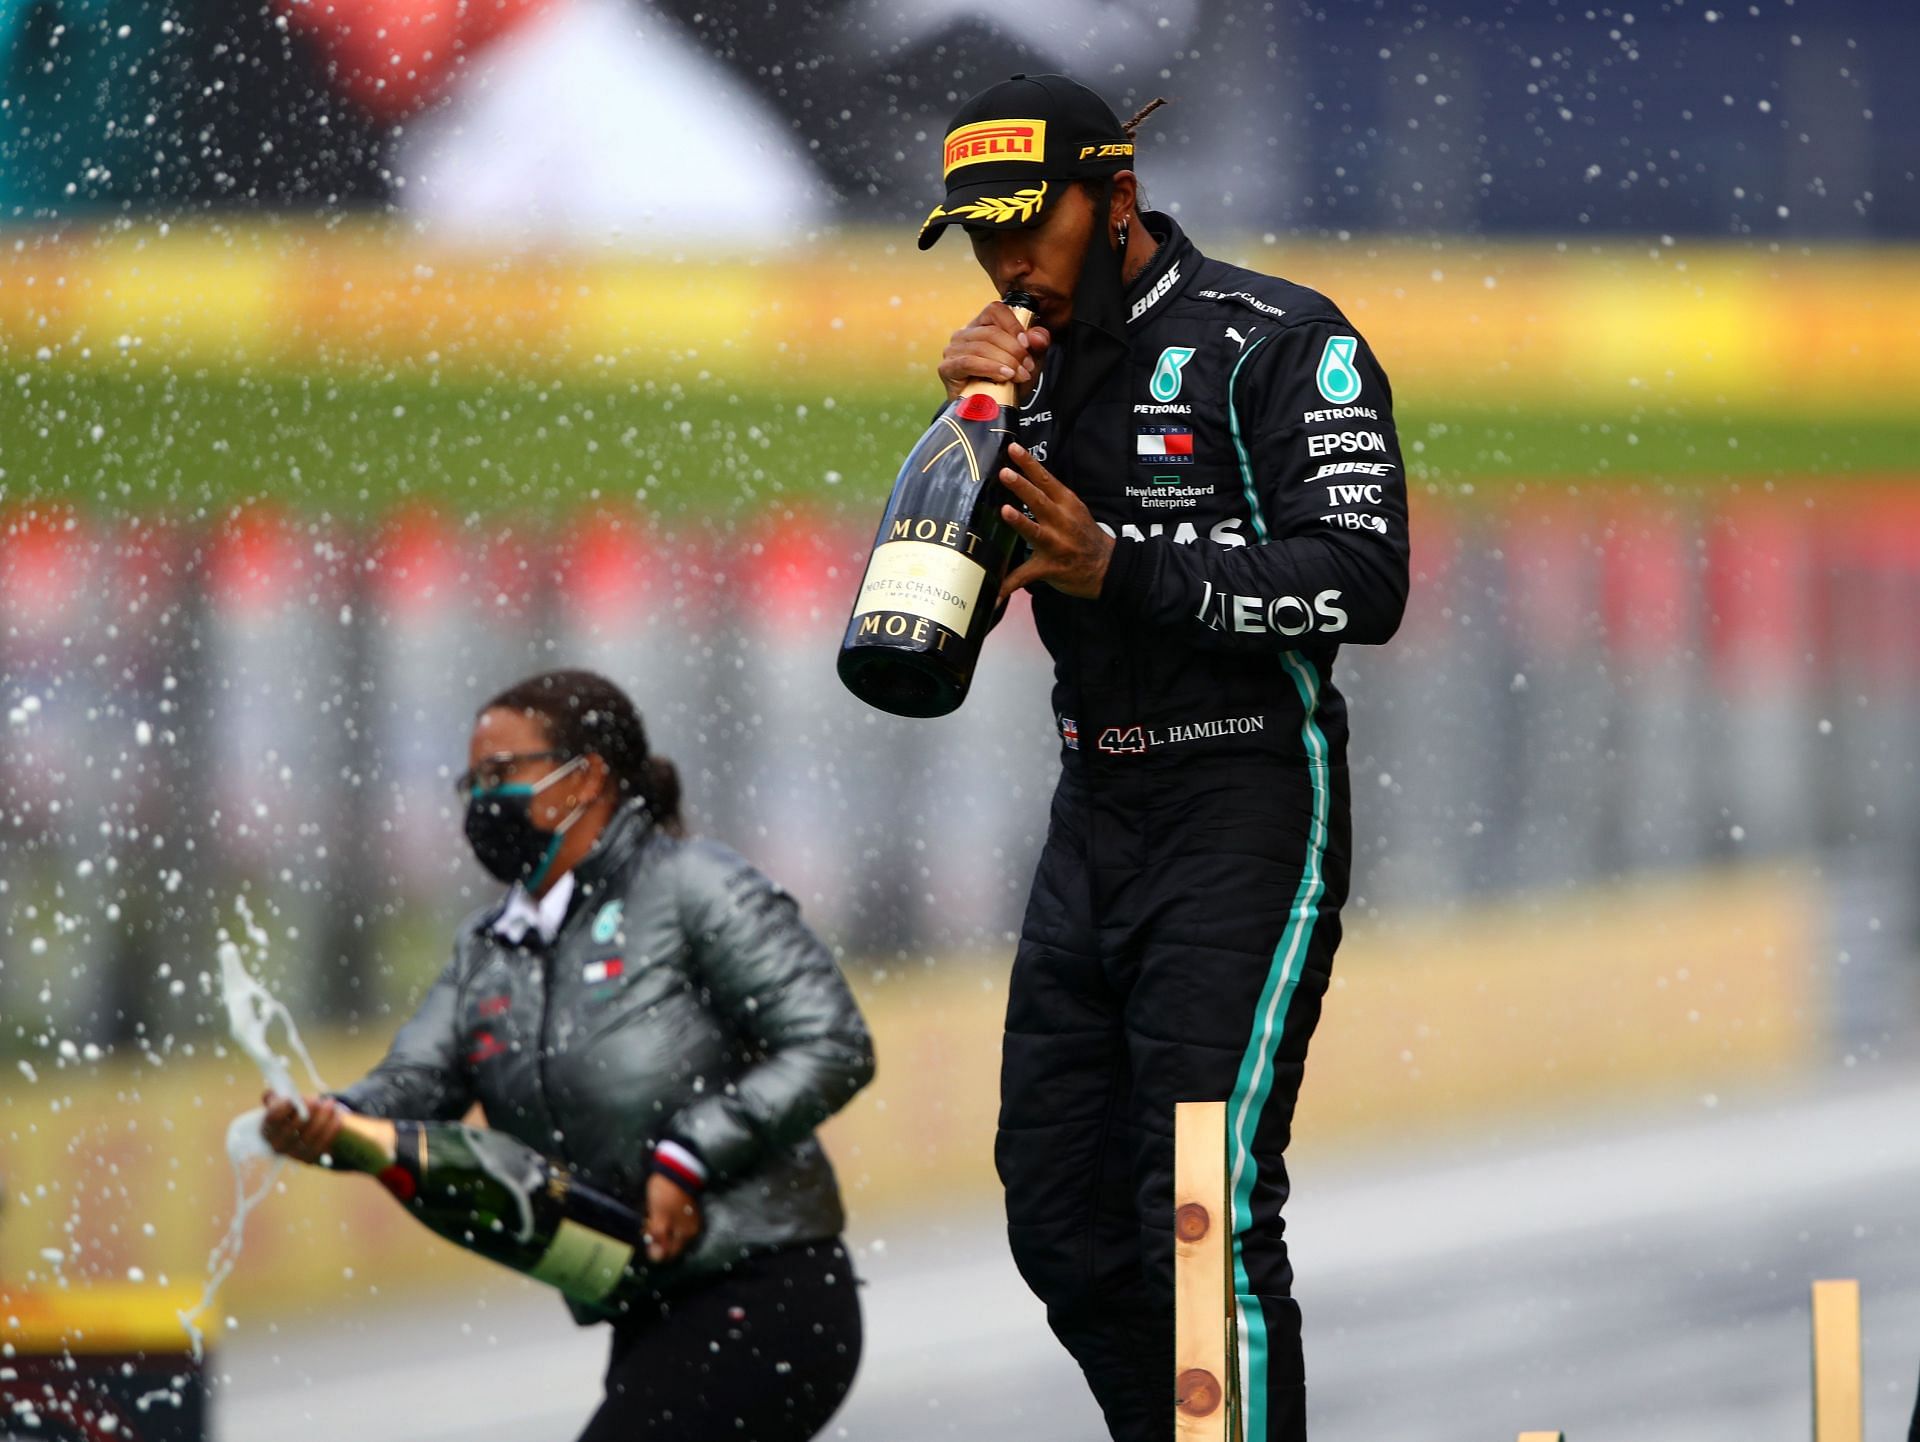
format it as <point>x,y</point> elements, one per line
<point>1122,238</point>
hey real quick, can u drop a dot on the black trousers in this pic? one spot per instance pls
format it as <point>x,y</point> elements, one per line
<point>1177,945</point>
<point>764,1353</point>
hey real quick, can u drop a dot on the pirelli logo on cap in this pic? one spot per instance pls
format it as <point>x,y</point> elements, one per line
<point>996,140</point>
<point>1116,150</point>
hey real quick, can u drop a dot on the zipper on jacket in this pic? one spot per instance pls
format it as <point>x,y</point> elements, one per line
<point>540,1054</point>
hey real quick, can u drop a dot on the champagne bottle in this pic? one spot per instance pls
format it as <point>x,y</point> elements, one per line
<point>491,1194</point>
<point>932,583</point>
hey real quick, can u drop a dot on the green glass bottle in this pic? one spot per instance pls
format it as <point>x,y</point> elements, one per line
<point>487,1192</point>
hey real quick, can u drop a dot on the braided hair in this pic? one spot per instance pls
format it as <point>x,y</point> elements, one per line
<point>1142,113</point>
<point>1101,191</point>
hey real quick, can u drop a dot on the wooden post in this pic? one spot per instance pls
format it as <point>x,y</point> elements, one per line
<point>1205,1401</point>
<point>1837,1385</point>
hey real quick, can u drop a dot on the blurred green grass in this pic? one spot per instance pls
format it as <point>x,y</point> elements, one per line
<point>194,444</point>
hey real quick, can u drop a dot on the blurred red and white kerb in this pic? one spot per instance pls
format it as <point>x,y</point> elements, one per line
<point>1560,698</point>
<point>458,624</point>
<point>53,797</point>
<point>806,788</point>
<point>275,589</point>
<point>1433,766</point>
<point>1761,607</point>
<point>985,790</point>
<point>47,571</point>
<point>1867,745</point>
<point>642,608</point>
<point>1651,609</point>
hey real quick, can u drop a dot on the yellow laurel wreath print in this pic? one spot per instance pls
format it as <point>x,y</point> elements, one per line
<point>995,209</point>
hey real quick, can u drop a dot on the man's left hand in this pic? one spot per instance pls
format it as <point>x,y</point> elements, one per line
<point>1070,552</point>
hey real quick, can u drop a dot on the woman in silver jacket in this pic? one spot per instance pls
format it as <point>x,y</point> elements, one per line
<point>651,1011</point>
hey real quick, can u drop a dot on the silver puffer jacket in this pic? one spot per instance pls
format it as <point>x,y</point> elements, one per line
<point>684,997</point>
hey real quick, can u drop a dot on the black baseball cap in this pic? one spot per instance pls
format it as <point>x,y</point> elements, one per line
<point>1011,149</point>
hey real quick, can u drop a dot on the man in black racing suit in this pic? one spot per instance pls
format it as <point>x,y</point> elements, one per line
<point>1214,498</point>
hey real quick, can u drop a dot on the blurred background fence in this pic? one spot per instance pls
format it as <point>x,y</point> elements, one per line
<point>270,706</point>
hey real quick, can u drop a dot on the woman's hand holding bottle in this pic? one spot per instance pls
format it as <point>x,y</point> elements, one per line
<point>673,1218</point>
<point>304,1139</point>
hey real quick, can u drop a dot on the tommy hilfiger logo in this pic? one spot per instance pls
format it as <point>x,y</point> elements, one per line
<point>1164,445</point>
<point>607,969</point>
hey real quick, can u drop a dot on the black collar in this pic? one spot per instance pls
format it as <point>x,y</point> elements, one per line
<point>1169,272</point>
<point>615,846</point>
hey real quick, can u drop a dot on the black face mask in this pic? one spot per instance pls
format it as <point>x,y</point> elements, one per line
<point>1096,339</point>
<point>501,830</point>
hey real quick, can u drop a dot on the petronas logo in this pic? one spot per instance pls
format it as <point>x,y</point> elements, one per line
<point>1165,384</point>
<point>606,925</point>
<point>1339,382</point>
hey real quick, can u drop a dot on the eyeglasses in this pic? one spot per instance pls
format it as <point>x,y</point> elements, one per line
<point>491,772</point>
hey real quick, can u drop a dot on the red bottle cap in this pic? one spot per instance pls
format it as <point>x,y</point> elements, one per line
<point>398,1180</point>
<point>978,407</point>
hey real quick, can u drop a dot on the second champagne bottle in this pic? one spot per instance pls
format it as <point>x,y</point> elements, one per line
<point>492,1194</point>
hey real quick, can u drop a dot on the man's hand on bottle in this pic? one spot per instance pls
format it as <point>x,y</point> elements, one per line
<point>993,347</point>
<point>1070,551</point>
<point>673,1218</point>
<point>305,1140</point>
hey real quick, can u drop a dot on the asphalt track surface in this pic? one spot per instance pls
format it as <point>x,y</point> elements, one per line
<point>1642,1279</point>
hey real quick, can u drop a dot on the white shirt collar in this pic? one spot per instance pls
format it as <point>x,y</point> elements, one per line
<point>522,913</point>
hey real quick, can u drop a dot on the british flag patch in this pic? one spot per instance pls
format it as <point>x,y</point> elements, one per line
<point>605,970</point>
<point>1070,732</point>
